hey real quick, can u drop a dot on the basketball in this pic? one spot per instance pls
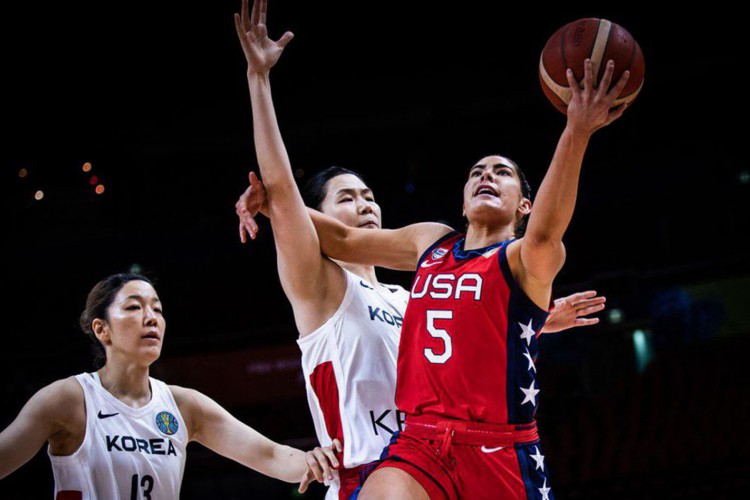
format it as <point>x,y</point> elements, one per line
<point>600,40</point>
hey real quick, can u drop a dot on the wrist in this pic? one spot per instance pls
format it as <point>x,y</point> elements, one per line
<point>254,76</point>
<point>577,133</point>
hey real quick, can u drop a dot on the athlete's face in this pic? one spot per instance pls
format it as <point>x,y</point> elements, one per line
<point>349,200</point>
<point>492,194</point>
<point>135,327</point>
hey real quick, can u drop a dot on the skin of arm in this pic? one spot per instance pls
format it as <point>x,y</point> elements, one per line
<point>314,285</point>
<point>215,428</point>
<point>55,413</point>
<point>398,249</point>
<point>537,258</point>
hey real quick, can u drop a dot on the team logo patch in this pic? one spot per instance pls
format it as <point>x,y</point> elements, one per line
<point>439,253</point>
<point>166,423</point>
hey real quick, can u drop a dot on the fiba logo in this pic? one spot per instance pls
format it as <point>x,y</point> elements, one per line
<point>166,423</point>
<point>438,253</point>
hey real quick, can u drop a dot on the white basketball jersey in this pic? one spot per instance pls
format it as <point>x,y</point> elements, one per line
<point>350,371</point>
<point>127,453</point>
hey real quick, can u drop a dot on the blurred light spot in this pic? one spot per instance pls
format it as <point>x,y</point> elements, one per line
<point>39,195</point>
<point>87,167</point>
<point>23,173</point>
<point>410,187</point>
<point>615,315</point>
<point>136,269</point>
<point>299,173</point>
<point>744,177</point>
<point>643,351</point>
<point>94,180</point>
<point>99,189</point>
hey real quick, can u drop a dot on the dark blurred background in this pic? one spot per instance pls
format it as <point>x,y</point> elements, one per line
<point>653,402</point>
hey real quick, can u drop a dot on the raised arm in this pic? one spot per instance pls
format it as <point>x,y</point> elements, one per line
<point>215,428</point>
<point>542,253</point>
<point>51,412</point>
<point>311,282</point>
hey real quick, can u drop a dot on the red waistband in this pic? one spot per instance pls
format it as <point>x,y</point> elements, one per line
<point>469,432</point>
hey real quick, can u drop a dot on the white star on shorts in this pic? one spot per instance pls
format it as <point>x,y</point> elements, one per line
<point>530,394</point>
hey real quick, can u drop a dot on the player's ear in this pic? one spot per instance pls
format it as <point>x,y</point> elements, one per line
<point>101,330</point>
<point>524,208</point>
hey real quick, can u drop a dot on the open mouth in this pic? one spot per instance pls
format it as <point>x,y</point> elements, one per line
<point>151,335</point>
<point>486,190</point>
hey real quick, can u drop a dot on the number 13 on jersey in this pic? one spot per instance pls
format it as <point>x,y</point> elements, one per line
<point>441,334</point>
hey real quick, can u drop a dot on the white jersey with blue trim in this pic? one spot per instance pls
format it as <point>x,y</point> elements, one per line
<point>349,365</point>
<point>127,453</point>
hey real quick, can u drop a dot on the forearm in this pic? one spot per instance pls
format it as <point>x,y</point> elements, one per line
<point>270,150</point>
<point>556,199</point>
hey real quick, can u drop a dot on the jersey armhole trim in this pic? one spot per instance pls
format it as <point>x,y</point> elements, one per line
<point>61,459</point>
<point>432,247</point>
<point>348,295</point>
<point>502,258</point>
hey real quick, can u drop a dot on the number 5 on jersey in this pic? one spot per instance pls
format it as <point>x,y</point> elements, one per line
<point>439,333</point>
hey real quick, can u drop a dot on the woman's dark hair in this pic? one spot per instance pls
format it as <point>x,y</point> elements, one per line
<point>315,190</point>
<point>98,301</point>
<point>520,228</point>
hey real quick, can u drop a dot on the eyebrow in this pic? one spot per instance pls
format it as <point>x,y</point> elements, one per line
<point>352,191</point>
<point>140,297</point>
<point>496,166</point>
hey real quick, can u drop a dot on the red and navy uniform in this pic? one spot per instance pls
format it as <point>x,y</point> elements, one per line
<point>467,379</point>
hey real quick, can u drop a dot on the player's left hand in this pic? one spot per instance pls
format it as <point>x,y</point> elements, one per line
<point>260,51</point>
<point>568,311</point>
<point>590,108</point>
<point>320,462</point>
<point>252,202</point>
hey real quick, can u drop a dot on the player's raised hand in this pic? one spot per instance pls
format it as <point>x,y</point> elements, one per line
<point>569,311</point>
<point>252,202</point>
<point>590,107</point>
<point>260,51</point>
<point>320,462</point>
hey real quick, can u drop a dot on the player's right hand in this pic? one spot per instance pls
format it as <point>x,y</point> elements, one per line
<point>252,202</point>
<point>320,462</point>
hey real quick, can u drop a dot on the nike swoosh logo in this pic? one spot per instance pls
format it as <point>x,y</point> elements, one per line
<point>491,450</point>
<point>429,264</point>
<point>106,415</point>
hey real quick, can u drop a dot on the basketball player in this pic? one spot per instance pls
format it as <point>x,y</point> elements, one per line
<point>117,433</point>
<point>466,372</point>
<point>349,323</point>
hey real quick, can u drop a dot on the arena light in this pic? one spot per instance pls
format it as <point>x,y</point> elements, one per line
<point>643,350</point>
<point>94,180</point>
<point>135,268</point>
<point>87,167</point>
<point>23,173</point>
<point>99,189</point>
<point>744,177</point>
<point>615,315</point>
<point>39,195</point>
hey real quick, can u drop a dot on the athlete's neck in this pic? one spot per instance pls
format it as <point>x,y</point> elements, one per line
<point>127,382</point>
<point>479,236</point>
<point>366,272</point>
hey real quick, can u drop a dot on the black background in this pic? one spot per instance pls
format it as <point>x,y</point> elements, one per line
<point>410,94</point>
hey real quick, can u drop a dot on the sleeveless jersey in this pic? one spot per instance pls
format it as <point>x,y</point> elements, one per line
<point>127,453</point>
<point>469,339</point>
<point>350,370</point>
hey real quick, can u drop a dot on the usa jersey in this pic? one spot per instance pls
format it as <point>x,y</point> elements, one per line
<point>127,453</point>
<point>349,365</point>
<point>469,339</point>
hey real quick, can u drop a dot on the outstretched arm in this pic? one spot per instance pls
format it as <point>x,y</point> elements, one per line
<point>542,253</point>
<point>48,413</point>
<point>214,427</point>
<point>307,278</point>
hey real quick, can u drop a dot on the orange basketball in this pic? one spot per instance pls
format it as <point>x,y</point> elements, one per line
<point>600,40</point>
